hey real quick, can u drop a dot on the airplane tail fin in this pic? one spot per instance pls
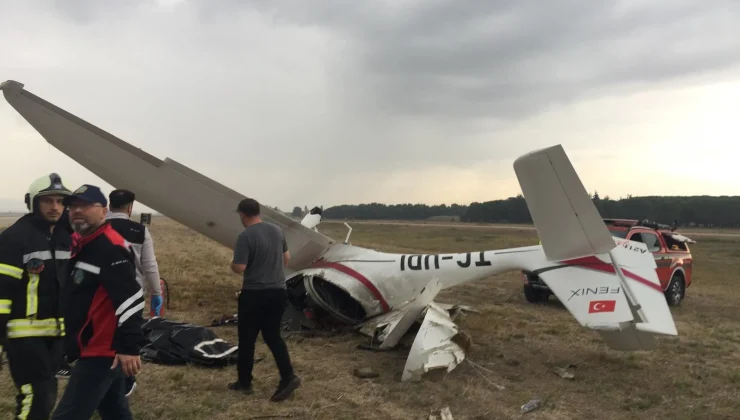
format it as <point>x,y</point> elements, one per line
<point>567,221</point>
<point>607,284</point>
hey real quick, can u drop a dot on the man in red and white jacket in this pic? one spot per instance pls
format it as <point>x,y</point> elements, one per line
<point>103,320</point>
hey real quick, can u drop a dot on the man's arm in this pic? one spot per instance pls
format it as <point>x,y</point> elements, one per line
<point>241,254</point>
<point>286,252</point>
<point>119,280</point>
<point>149,265</point>
<point>11,274</point>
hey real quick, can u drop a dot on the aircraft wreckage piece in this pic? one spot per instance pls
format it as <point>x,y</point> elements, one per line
<point>411,314</point>
<point>434,345</point>
<point>380,293</point>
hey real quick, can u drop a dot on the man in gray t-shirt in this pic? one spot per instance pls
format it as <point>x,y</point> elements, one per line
<point>261,247</point>
<point>260,253</point>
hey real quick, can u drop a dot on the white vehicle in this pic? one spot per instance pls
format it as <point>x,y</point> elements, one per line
<point>383,294</point>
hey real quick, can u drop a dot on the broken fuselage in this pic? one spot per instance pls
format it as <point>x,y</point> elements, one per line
<point>353,284</point>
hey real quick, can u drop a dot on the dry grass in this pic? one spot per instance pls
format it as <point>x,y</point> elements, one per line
<point>692,376</point>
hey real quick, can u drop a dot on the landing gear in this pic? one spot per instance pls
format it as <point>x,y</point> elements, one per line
<point>535,290</point>
<point>535,295</point>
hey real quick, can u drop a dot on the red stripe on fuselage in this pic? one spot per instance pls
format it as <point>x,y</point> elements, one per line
<point>596,264</point>
<point>352,273</point>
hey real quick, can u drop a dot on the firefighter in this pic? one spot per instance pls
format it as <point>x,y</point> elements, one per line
<point>34,252</point>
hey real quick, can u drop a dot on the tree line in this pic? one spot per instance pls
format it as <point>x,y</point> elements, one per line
<point>710,211</point>
<point>378,211</point>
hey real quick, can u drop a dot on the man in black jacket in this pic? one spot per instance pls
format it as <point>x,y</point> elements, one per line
<point>104,313</point>
<point>34,252</point>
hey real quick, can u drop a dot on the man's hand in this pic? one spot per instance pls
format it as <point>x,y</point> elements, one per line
<point>131,365</point>
<point>238,268</point>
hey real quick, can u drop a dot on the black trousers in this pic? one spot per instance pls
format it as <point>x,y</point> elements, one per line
<point>94,386</point>
<point>33,365</point>
<point>262,310</point>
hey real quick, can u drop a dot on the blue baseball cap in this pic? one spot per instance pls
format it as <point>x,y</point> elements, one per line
<point>89,193</point>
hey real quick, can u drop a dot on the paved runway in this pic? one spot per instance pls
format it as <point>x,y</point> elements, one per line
<point>689,233</point>
<point>7,220</point>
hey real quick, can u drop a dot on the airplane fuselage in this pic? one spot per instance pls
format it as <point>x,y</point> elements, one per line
<point>381,281</point>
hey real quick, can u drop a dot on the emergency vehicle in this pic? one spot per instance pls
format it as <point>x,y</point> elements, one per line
<point>670,249</point>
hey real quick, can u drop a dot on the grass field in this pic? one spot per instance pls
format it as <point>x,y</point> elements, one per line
<point>515,344</point>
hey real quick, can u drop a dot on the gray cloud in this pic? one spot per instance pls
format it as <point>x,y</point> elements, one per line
<point>501,59</point>
<point>84,12</point>
<point>364,89</point>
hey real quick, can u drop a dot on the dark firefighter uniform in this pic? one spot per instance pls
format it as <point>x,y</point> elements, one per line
<point>31,305</point>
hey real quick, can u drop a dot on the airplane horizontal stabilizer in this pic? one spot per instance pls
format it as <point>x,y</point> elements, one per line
<point>627,308</point>
<point>590,291</point>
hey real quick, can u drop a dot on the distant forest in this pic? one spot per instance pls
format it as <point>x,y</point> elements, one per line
<point>708,211</point>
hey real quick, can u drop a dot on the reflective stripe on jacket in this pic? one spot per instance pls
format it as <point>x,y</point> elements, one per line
<point>31,305</point>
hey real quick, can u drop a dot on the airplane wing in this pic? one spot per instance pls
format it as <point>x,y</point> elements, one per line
<point>166,186</point>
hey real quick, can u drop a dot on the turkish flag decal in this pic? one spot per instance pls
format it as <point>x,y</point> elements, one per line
<point>601,306</point>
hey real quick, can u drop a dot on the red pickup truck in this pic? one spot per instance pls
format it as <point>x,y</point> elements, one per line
<point>670,249</point>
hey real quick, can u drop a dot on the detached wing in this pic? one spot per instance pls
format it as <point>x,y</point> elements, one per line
<point>166,186</point>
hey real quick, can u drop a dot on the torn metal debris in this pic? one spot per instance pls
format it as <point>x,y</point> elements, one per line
<point>444,414</point>
<point>433,347</point>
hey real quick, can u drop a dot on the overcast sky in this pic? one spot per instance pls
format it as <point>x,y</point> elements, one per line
<point>386,101</point>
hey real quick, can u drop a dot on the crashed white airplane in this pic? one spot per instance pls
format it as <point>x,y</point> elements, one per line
<point>383,294</point>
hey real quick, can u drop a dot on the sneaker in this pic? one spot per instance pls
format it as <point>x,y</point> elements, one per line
<point>286,388</point>
<point>64,371</point>
<point>130,385</point>
<point>237,386</point>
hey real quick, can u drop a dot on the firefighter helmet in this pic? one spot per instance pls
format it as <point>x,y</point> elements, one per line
<point>50,184</point>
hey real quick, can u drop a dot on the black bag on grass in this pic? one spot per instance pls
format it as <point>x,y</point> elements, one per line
<point>179,343</point>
